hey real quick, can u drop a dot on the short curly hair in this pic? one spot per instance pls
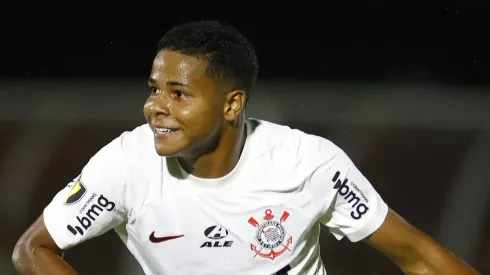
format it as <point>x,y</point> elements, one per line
<point>230,56</point>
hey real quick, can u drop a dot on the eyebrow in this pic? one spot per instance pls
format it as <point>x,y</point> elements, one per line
<point>169,83</point>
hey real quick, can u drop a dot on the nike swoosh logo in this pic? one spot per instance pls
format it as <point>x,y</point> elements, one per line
<point>154,239</point>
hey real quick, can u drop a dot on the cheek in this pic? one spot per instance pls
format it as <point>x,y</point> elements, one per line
<point>187,111</point>
<point>201,115</point>
<point>195,110</point>
<point>147,107</point>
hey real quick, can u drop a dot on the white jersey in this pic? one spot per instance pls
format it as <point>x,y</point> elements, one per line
<point>264,217</point>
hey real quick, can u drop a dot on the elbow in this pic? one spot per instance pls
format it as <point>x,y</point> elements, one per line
<point>16,257</point>
<point>412,260</point>
<point>416,268</point>
<point>20,254</point>
<point>413,264</point>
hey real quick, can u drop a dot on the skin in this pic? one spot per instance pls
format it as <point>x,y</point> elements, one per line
<point>414,252</point>
<point>207,117</point>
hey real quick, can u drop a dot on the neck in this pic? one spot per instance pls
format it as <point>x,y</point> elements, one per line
<point>222,160</point>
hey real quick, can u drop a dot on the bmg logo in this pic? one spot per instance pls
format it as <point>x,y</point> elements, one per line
<point>85,222</point>
<point>359,208</point>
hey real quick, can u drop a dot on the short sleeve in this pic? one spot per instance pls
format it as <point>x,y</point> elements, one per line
<point>93,203</point>
<point>347,202</point>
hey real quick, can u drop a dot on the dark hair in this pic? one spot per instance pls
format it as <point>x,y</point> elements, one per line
<point>229,55</point>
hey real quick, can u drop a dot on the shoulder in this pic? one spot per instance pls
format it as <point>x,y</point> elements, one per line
<point>130,144</point>
<point>137,141</point>
<point>294,146</point>
<point>122,150</point>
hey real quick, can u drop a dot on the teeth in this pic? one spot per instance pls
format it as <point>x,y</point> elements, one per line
<point>164,130</point>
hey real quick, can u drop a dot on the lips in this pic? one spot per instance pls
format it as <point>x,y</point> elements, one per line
<point>163,130</point>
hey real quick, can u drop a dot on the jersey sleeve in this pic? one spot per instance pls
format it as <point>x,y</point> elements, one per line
<point>93,203</point>
<point>348,204</point>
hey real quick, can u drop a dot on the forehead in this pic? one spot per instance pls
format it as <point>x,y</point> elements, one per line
<point>174,66</point>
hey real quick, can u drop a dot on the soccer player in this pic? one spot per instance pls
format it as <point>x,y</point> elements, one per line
<point>201,181</point>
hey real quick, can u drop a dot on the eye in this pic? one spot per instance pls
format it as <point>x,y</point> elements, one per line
<point>154,91</point>
<point>180,94</point>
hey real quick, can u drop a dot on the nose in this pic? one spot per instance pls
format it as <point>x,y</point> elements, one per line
<point>160,105</point>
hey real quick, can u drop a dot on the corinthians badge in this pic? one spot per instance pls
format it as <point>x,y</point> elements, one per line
<point>270,236</point>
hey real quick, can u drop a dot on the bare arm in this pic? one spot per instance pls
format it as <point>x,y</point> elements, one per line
<point>36,253</point>
<point>415,252</point>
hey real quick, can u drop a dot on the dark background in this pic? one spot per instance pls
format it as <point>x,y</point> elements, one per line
<point>401,86</point>
<point>332,40</point>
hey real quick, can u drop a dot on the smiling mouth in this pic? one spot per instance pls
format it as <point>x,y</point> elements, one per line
<point>162,131</point>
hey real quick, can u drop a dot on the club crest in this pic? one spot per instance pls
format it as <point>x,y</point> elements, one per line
<point>271,236</point>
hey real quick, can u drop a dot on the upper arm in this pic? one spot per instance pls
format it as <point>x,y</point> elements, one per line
<point>399,240</point>
<point>347,202</point>
<point>413,251</point>
<point>37,235</point>
<point>91,204</point>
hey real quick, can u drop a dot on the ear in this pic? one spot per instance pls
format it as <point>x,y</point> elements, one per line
<point>234,104</point>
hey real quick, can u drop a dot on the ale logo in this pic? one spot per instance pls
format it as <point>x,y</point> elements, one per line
<point>77,192</point>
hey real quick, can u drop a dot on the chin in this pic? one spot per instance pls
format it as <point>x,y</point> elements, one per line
<point>164,150</point>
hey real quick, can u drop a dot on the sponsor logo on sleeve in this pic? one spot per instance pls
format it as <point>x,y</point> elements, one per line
<point>353,195</point>
<point>90,213</point>
<point>78,190</point>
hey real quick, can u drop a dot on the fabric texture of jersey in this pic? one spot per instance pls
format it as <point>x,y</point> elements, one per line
<point>264,217</point>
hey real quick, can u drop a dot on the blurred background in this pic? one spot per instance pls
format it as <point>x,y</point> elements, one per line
<point>402,87</point>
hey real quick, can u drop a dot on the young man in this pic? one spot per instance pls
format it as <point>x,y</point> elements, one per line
<point>201,182</point>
